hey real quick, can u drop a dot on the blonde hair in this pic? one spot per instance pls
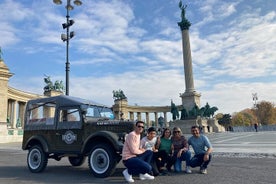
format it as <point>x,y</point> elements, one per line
<point>177,129</point>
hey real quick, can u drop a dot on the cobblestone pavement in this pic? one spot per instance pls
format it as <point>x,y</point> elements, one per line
<point>244,144</point>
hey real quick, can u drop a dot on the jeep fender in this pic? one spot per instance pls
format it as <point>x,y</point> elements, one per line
<point>103,136</point>
<point>35,140</point>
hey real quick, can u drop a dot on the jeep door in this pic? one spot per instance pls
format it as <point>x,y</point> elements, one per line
<point>69,130</point>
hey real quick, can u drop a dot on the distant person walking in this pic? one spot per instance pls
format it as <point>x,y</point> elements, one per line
<point>137,160</point>
<point>256,127</point>
<point>202,148</point>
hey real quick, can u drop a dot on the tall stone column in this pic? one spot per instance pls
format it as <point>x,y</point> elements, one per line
<point>187,61</point>
<point>190,97</point>
<point>4,78</point>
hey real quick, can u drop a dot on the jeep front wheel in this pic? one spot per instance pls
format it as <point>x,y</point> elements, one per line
<point>102,162</point>
<point>37,159</point>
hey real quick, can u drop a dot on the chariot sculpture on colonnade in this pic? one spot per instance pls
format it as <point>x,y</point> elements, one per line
<point>57,86</point>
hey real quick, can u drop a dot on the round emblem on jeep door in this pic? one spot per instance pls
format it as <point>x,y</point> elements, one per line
<point>69,137</point>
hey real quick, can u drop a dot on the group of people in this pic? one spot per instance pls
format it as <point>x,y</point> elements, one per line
<point>153,155</point>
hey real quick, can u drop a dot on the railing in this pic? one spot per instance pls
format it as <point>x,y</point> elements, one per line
<point>252,129</point>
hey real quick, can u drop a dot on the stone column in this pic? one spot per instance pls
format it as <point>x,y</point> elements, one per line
<point>14,114</point>
<point>139,117</point>
<point>190,97</point>
<point>22,106</point>
<point>147,119</point>
<point>131,115</point>
<point>156,119</point>
<point>4,78</point>
<point>187,61</point>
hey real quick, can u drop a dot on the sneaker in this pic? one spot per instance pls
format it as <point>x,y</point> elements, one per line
<point>127,176</point>
<point>203,171</point>
<point>188,170</point>
<point>146,177</point>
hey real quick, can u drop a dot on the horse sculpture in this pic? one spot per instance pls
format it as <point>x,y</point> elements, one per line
<point>205,111</point>
<point>119,95</point>
<point>49,84</point>
<point>58,86</point>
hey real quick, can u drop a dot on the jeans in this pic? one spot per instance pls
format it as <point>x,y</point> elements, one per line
<point>197,160</point>
<point>139,164</point>
<point>185,156</point>
<point>166,159</point>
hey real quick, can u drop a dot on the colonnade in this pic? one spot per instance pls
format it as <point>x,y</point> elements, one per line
<point>122,110</point>
<point>16,103</point>
<point>15,113</point>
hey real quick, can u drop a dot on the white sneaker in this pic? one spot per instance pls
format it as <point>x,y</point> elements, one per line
<point>146,177</point>
<point>188,170</point>
<point>127,176</point>
<point>203,171</point>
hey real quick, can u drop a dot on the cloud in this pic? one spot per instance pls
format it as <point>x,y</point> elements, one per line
<point>139,50</point>
<point>238,96</point>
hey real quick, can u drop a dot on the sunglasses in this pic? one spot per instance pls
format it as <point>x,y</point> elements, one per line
<point>140,126</point>
<point>176,131</point>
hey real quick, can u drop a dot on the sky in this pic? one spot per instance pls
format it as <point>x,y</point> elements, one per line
<point>136,46</point>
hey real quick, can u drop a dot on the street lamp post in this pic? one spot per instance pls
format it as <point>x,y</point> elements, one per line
<point>255,98</point>
<point>66,37</point>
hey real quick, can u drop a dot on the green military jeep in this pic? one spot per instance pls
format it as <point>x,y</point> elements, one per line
<point>64,126</point>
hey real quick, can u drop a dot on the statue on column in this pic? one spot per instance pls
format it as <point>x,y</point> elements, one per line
<point>57,86</point>
<point>119,95</point>
<point>49,84</point>
<point>185,23</point>
<point>182,8</point>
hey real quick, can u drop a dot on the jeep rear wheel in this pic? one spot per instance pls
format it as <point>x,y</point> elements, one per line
<point>102,162</point>
<point>76,161</point>
<point>37,159</point>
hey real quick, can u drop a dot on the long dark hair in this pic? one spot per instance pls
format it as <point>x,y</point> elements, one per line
<point>164,130</point>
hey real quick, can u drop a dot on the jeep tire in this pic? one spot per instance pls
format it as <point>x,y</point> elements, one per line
<point>36,159</point>
<point>102,160</point>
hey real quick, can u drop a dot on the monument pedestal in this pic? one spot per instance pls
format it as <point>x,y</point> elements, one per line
<point>190,99</point>
<point>207,125</point>
<point>184,125</point>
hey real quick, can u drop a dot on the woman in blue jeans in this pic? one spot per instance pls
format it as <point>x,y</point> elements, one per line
<point>181,150</point>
